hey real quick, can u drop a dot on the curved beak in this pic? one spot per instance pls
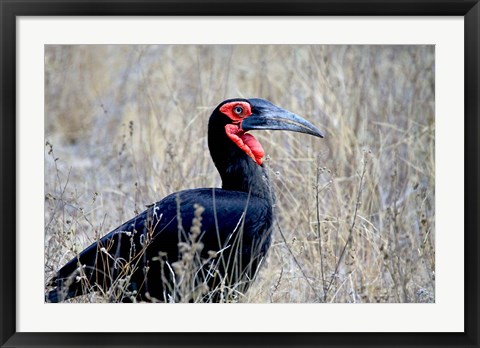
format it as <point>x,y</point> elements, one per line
<point>266,115</point>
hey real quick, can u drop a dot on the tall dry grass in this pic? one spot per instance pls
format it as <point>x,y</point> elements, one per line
<point>126,125</point>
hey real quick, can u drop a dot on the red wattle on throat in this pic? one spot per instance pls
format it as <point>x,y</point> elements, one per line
<point>245,142</point>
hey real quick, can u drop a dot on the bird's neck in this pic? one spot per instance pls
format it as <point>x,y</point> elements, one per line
<point>239,172</point>
<point>243,174</point>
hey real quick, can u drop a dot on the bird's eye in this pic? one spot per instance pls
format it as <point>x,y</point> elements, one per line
<point>238,110</point>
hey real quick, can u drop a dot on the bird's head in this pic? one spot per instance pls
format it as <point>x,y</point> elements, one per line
<point>243,115</point>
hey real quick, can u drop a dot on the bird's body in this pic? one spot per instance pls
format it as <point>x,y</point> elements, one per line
<point>135,245</point>
<point>194,245</point>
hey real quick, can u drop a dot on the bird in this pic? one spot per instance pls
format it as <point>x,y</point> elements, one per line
<point>196,245</point>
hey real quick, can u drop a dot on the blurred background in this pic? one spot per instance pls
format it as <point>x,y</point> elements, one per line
<point>127,125</point>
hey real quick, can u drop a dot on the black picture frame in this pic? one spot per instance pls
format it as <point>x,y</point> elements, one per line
<point>9,337</point>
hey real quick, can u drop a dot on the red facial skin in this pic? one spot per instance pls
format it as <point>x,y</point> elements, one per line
<point>229,110</point>
<point>237,111</point>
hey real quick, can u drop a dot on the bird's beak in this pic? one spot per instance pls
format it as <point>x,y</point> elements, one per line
<point>268,116</point>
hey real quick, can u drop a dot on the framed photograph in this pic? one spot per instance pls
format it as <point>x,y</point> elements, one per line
<point>241,173</point>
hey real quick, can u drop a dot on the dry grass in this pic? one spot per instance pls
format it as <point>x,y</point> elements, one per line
<point>126,125</point>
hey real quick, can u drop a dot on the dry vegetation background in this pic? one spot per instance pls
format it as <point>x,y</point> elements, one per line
<point>126,125</point>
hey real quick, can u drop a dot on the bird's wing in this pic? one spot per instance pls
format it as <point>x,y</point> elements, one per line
<point>225,220</point>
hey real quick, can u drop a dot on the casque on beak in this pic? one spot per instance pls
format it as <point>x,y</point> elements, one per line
<point>268,116</point>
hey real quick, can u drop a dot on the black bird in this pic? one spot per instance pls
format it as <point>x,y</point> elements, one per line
<point>199,245</point>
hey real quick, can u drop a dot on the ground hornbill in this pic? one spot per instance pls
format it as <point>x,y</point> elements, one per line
<point>200,245</point>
